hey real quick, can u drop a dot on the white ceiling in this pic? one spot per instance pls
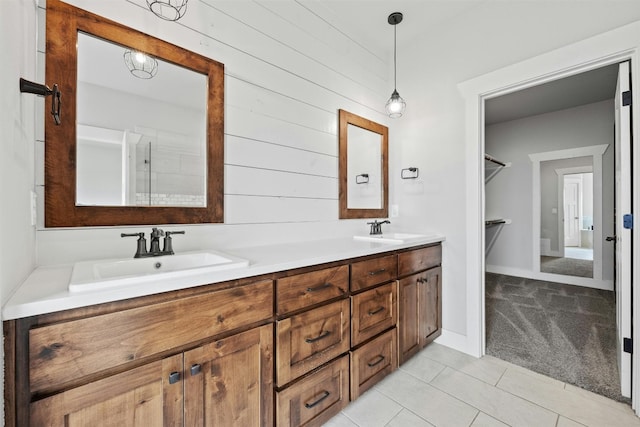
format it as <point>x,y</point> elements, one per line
<point>553,23</point>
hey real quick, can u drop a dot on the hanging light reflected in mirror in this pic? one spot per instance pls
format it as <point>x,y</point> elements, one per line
<point>395,105</point>
<point>140,64</point>
<point>169,10</point>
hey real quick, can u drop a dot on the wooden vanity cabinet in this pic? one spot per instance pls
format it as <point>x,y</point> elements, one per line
<point>225,382</point>
<point>189,357</point>
<point>420,299</point>
<point>374,315</point>
<point>312,338</point>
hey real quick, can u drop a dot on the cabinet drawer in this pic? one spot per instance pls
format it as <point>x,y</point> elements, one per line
<point>373,311</point>
<point>419,259</point>
<point>307,340</point>
<point>64,352</point>
<point>304,290</point>
<point>372,362</point>
<point>365,274</point>
<point>315,399</point>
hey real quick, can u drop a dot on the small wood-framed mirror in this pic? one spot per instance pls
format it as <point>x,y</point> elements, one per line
<point>363,167</point>
<point>116,117</point>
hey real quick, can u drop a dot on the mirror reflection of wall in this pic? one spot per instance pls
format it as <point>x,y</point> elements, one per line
<point>167,112</point>
<point>364,154</point>
<point>566,222</point>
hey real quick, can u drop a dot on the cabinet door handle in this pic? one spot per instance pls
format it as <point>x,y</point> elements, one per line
<point>174,377</point>
<point>376,311</point>
<point>422,280</point>
<point>319,287</point>
<point>376,272</point>
<point>378,359</point>
<point>195,369</point>
<point>319,337</point>
<point>324,395</point>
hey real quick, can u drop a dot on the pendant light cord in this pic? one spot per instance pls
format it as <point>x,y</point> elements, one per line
<point>395,72</point>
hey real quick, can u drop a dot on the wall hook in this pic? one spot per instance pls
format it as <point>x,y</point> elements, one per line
<point>42,90</point>
<point>411,173</point>
<point>363,178</point>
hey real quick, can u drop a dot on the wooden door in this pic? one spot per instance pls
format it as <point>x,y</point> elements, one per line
<point>409,334</point>
<point>229,382</point>
<point>144,397</point>
<point>429,294</point>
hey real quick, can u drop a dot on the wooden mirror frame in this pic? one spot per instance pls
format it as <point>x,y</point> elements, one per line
<point>63,23</point>
<point>346,118</point>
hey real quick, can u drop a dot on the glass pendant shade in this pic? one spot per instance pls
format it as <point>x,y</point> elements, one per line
<point>169,10</point>
<point>395,105</point>
<point>141,65</point>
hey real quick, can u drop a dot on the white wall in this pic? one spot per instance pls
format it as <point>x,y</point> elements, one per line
<point>509,193</point>
<point>441,76</point>
<point>18,53</point>
<point>286,75</point>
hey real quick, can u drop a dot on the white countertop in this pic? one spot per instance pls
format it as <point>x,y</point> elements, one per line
<point>46,289</point>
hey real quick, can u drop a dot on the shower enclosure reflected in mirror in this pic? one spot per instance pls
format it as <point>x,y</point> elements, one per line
<point>140,141</point>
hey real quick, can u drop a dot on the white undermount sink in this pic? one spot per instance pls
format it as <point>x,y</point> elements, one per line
<point>390,237</point>
<point>103,274</point>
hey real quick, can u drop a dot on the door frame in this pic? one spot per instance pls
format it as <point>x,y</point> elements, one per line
<point>609,48</point>
<point>596,152</point>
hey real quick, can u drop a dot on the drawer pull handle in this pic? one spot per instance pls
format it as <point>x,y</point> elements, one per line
<point>376,272</point>
<point>378,359</point>
<point>376,311</point>
<point>195,369</point>
<point>325,394</point>
<point>319,287</point>
<point>174,377</point>
<point>318,338</point>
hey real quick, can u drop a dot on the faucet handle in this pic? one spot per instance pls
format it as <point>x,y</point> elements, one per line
<point>141,249</point>
<point>168,245</point>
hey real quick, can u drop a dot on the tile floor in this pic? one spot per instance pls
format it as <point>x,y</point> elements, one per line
<point>443,387</point>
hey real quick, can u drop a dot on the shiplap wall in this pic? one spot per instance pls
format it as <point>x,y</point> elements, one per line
<point>287,72</point>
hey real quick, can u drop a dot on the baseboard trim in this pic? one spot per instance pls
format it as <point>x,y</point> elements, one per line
<point>456,341</point>
<point>587,282</point>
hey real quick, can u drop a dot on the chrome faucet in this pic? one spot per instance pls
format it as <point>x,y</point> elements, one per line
<point>154,249</point>
<point>376,227</point>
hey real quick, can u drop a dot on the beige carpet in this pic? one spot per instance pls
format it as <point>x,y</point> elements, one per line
<point>563,331</point>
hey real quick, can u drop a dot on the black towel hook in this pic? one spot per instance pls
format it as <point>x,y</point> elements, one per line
<point>43,90</point>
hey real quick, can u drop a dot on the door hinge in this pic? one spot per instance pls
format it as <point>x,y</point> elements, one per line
<point>627,221</point>
<point>626,98</point>
<point>627,345</point>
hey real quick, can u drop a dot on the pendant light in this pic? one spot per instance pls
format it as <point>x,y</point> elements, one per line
<point>169,10</point>
<point>140,64</point>
<point>395,105</point>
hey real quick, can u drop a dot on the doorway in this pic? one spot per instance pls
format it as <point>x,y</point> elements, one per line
<point>527,302</point>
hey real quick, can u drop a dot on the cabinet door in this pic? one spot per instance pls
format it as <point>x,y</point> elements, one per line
<point>430,295</point>
<point>408,322</point>
<point>229,382</point>
<point>144,396</point>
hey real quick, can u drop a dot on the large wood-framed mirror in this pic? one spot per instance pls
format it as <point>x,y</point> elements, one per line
<point>363,167</point>
<point>115,160</point>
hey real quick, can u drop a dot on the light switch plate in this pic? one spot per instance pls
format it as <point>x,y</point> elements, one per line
<point>395,211</point>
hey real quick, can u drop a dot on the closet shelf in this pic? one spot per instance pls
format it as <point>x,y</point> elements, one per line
<point>497,221</point>
<point>494,160</point>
